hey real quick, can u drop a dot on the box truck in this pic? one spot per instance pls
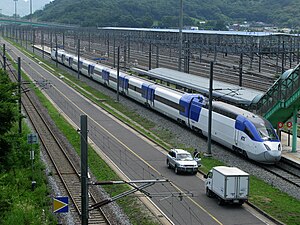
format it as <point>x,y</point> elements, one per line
<point>228,184</point>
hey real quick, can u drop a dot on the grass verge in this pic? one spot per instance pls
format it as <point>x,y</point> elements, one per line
<point>131,206</point>
<point>265,196</point>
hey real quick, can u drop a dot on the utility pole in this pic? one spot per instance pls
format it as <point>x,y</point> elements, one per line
<point>150,54</point>
<point>19,92</point>
<point>84,169</point>
<point>208,153</point>
<point>78,62</point>
<point>56,53</point>
<point>15,9</point>
<point>30,11</point>
<point>4,58</point>
<point>118,74</point>
<point>180,34</point>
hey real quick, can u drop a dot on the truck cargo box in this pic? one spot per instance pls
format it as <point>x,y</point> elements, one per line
<point>229,184</point>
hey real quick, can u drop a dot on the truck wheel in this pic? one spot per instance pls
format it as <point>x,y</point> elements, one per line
<point>208,193</point>
<point>241,202</point>
<point>176,170</point>
<point>220,201</point>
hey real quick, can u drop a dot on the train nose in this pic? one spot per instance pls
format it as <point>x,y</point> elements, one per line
<point>272,156</point>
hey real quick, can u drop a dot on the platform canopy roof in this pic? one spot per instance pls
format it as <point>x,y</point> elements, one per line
<point>221,91</point>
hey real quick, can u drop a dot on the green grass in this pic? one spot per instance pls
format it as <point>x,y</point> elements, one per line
<point>19,204</point>
<point>274,202</point>
<point>131,206</point>
<point>266,197</point>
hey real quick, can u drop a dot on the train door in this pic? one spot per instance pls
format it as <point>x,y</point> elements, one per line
<point>148,94</point>
<point>70,62</point>
<point>91,70</point>
<point>105,77</point>
<point>80,65</point>
<point>239,136</point>
<point>124,83</point>
<point>244,138</point>
<point>194,111</point>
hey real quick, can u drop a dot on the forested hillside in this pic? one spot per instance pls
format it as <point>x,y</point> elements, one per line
<point>164,13</point>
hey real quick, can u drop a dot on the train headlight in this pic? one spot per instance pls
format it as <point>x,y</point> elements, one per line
<point>267,147</point>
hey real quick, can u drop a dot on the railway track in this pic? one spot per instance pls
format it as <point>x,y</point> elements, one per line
<point>285,171</point>
<point>285,174</point>
<point>66,170</point>
<point>226,68</point>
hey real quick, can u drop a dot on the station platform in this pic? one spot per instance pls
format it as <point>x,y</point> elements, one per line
<point>287,153</point>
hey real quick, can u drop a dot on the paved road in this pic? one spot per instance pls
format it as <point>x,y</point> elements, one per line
<point>139,158</point>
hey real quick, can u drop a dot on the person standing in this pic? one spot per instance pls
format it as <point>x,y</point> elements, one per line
<point>196,153</point>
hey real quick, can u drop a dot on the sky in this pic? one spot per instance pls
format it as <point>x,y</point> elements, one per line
<point>7,7</point>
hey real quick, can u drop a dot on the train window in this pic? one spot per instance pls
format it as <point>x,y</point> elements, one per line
<point>267,133</point>
<point>248,132</point>
<point>134,88</point>
<point>169,103</point>
<point>265,130</point>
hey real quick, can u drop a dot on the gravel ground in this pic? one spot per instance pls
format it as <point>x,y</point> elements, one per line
<point>113,211</point>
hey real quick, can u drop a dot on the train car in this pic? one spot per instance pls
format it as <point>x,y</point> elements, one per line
<point>238,129</point>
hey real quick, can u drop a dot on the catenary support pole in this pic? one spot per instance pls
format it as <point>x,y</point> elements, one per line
<point>294,144</point>
<point>84,169</point>
<point>4,58</point>
<point>241,71</point>
<point>19,92</point>
<point>208,153</point>
<point>56,48</point>
<point>180,34</point>
<point>150,53</point>
<point>78,62</point>
<point>118,74</point>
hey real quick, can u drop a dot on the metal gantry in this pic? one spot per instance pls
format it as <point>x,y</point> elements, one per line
<point>233,53</point>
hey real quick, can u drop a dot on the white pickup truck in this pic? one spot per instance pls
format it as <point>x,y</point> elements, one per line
<point>228,184</point>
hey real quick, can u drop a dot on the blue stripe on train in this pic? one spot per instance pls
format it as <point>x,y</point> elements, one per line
<point>243,124</point>
<point>124,82</point>
<point>148,91</point>
<point>192,104</point>
<point>105,75</point>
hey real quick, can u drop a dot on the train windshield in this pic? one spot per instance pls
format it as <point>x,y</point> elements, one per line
<point>266,131</point>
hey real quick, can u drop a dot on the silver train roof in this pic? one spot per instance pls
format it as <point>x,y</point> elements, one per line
<point>212,32</point>
<point>222,91</point>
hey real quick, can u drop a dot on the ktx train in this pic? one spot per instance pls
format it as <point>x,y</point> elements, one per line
<point>235,128</point>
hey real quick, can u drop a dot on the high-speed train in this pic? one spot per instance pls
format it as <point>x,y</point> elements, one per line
<point>235,128</point>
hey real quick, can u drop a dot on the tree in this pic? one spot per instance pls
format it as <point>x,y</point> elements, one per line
<point>8,113</point>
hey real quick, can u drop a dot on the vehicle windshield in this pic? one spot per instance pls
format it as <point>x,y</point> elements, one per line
<point>266,131</point>
<point>184,156</point>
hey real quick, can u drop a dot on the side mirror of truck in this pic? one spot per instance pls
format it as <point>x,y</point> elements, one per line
<point>205,176</point>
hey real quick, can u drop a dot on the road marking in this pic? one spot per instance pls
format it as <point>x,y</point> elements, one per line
<point>115,138</point>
